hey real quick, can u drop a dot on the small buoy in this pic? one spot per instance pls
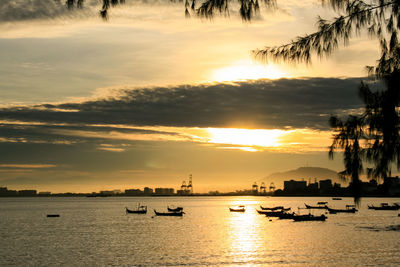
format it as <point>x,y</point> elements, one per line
<point>53,215</point>
<point>270,220</point>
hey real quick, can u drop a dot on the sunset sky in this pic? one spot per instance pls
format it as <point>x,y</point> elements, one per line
<point>149,97</point>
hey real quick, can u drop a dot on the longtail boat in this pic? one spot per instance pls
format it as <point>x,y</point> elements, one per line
<point>177,209</point>
<point>179,213</point>
<point>275,208</point>
<point>273,213</point>
<point>348,209</point>
<point>240,208</point>
<point>320,205</point>
<point>269,212</point>
<point>285,215</point>
<point>385,206</point>
<point>139,210</point>
<point>309,217</point>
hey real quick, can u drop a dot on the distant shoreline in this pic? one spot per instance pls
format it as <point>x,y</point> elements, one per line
<point>197,195</point>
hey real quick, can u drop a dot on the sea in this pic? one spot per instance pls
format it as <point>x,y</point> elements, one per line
<point>98,232</point>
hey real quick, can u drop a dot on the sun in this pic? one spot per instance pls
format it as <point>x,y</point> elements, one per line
<point>245,137</point>
<point>247,70</point>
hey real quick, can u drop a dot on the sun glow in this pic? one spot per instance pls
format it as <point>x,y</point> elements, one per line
<point>245,137</point>
<point>248,70</point>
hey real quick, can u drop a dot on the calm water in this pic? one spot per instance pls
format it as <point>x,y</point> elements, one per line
<point>97,232</point>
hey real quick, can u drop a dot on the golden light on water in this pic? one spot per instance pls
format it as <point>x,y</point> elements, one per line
<point>248,70</point>
<point>246,232</point>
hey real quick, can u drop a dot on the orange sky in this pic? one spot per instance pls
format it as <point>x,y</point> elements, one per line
<point>149,97</point>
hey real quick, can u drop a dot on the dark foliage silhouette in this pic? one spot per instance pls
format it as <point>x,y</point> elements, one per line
<point>373,135</point>
<point>248,9</point>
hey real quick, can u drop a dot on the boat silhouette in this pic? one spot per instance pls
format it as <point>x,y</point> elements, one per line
<point>177,209</point>
<point>240,208</point>
<point>139,210</point>
<point>178,213</point>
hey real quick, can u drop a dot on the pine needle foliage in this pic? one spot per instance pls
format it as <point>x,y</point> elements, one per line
<point>105,6</point>
<point>207,9</point>
<point>380,18</point>
<point>373,136</point>
<point>248,9</point>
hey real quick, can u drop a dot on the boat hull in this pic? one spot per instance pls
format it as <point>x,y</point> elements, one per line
<point>334,211</point>
<point>273,208</point>
<point>384,208</point>
<point>135,211</point>
<point>316,207</point>
<point>175,214</point>
<point>262,212</point>
<point>273,213</point>
<point>237,210</point>
<point>309,217</point>
<point>286,216</point>
<point>177,209</point>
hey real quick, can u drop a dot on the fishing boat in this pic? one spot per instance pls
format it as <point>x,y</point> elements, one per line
<point>177,209</point>
<point>262,212</point>
<point>178,213</point>
<point>286,216</point>
<point>336,198</point>
<point>53,215</point>
<point>275,208</point>
<point>385,206</point>
<point>320,205</point>
<point>309,217</point>
<point>240,208</point>
<point>348,209</point>
<point>270,213</point>
<point>273,213</point>
<point>139,210</point>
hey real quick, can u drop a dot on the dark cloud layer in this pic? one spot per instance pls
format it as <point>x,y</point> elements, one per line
<point>296,103</point>
<point>71,134</point>
<point>22,10</point>
<point>82,139</point>
<point>15,10</point>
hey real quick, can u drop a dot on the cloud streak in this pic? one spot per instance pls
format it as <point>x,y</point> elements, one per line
<point>27,166</point>
<point>264,104</point>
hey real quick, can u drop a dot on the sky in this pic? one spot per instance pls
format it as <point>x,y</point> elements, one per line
<point>148,96</point>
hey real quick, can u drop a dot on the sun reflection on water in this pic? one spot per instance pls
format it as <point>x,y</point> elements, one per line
<point>246,233</point>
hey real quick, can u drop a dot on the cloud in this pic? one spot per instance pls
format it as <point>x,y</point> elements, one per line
<point>24,10</point>
<point>264,104</point>
<point>68,134</point>
<point>27,166</point>
<point>16,10</point>
<point>111,148</point>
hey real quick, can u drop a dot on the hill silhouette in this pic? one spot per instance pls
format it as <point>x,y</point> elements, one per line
<point>304,173</point>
